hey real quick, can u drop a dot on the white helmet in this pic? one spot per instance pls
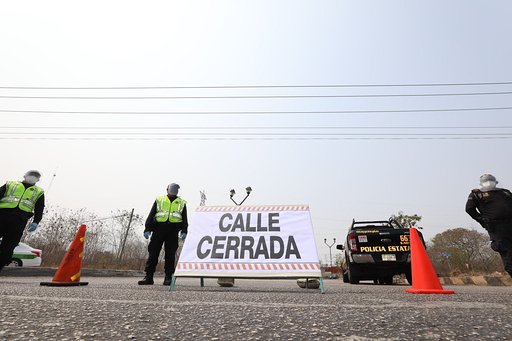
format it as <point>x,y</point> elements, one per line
<point>488,182</point>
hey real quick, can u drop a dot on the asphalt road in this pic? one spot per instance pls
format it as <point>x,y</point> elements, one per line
<point>119,309</point>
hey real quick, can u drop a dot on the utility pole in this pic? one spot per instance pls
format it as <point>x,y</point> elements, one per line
<point>330,248</point>
<point>125,236</point>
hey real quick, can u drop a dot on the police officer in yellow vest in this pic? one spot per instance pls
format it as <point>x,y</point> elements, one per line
<point>19,201</point>
<point>168,216</point>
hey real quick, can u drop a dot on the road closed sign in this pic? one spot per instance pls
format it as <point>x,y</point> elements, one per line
<point>250,241</point>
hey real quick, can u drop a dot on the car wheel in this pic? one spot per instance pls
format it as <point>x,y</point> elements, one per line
<point>408,275</point>
<point>15,262</point>
<point>352,277</point>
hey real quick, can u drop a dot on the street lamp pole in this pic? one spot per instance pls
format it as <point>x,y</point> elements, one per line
<point>330,248</point>
<point>228,281</point>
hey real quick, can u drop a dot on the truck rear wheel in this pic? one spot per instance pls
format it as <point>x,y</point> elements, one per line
<point>408,275</point>
<point>345,277</point>
<point>386,280</point>
<point>353,278</point>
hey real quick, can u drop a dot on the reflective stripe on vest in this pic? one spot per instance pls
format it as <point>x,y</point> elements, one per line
<point>16,195</point>
<point>169,211</point>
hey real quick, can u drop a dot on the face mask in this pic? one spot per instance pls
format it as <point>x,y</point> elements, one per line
<point>31,179</point>
<point>488,184</point>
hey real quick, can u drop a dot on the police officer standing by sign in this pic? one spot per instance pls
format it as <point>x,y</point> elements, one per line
<point>168,216</point>
<point>492,208</point>
<point>19,201</point>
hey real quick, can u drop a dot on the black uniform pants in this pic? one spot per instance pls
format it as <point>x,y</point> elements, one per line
<point>163,234</point>
<point>11,230</point>
<point>501,242</point>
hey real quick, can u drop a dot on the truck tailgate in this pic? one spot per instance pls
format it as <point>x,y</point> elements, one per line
<point>384,244</point>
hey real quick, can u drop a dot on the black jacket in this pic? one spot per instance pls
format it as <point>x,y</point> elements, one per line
<point>491,206</point>
<point>38,209</point>
<point>151,224</point>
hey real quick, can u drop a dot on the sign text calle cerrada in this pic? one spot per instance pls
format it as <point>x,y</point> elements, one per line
<point>250,241</point>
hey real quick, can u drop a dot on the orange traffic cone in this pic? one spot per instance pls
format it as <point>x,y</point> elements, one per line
<point>424,278</point>
<point>68,273</point>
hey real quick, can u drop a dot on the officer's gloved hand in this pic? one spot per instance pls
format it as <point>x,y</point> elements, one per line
<point>32,227</point>
<point>183,235</point>
<point>147,234</point>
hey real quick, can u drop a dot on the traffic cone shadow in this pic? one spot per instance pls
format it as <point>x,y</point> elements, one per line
<point>68,273</point>
<point>424,277</point>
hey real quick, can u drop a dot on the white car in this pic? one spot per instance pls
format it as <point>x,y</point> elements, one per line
<point>25,255</point>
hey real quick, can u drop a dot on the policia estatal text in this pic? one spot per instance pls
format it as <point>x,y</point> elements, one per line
<point>168,216</point>
<point>492,208</point>
<point>19,201</point>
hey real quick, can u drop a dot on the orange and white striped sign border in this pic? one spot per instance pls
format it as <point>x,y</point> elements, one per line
<point>252,208</point>
<point>196,266</point>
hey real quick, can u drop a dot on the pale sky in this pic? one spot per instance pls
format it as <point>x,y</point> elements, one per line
<point>259,43</point>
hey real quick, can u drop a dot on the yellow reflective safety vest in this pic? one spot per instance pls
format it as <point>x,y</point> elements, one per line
<point>169,211</point>
<point>16,195</point>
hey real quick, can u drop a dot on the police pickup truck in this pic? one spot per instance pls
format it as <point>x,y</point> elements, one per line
<point>376,250</point>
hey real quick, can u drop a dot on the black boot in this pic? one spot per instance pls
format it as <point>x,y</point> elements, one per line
<point>148,280</point>
<point>167,280</point>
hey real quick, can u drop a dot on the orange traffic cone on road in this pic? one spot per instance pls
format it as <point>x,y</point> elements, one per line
<point>68,273</point>
<point>424,278</point>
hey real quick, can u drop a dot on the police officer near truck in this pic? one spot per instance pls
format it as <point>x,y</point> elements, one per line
<point>492,208</point>
<point>19,201</point>
<point>167,218</point>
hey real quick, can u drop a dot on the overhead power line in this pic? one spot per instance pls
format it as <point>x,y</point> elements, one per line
<point>253,128</point>
<point>251,134</point>
<point>255,86</point>
<point>333,138</point>
<point>256,96</point>
<point>279,112</point>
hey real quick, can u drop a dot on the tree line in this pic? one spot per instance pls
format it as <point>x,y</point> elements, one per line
<point>112,242</point>
<point>457,250</point>
<point>115,242</point>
